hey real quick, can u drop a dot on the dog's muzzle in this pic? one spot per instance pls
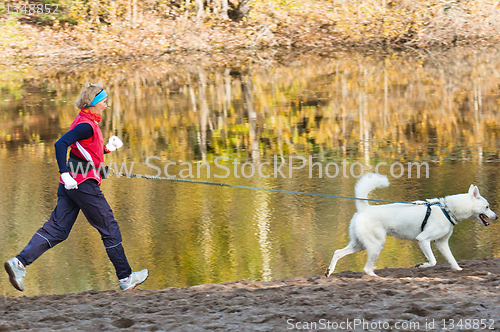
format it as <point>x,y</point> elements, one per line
<point>484,219</point>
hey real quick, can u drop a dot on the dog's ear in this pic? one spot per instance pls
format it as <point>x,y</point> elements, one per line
<point>474,191</point>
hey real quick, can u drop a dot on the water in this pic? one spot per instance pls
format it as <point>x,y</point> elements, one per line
<point>442,110</point>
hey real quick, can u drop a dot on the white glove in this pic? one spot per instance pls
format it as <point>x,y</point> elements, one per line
<point>69,182</point>
<point>114,143</point>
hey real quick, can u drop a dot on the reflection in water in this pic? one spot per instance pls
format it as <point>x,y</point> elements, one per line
<point>353,107</point>
<point>262,218</point>
<point>397,108</point>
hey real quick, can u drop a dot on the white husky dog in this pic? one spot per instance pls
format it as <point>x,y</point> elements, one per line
<point>370,225</point>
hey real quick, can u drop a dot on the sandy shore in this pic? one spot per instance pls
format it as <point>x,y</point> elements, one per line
<point>404,299</point>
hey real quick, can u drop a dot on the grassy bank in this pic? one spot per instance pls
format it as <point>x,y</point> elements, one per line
<point>89,29</point>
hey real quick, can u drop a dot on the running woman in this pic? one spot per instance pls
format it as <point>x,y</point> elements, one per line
<point>81,191</point>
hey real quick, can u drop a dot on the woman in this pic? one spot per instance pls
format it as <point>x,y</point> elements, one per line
<point>80,192</point>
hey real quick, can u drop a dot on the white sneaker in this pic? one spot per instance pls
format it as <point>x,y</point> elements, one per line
<point>136,278</point>
<point>16,272</point>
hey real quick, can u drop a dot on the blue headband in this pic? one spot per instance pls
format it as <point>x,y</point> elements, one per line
<point>99,97</point>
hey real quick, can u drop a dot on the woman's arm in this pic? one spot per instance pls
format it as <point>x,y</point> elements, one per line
<point>81,131</point>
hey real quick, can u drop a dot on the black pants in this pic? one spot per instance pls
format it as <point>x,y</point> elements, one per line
<point>90,199</point>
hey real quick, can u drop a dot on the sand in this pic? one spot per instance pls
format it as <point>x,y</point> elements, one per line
<point>403,299</point>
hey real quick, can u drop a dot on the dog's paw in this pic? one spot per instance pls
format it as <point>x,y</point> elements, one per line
<point>371,274</point>
<point>327,273</point>
<point>423,265</point>
<point>419,202</point>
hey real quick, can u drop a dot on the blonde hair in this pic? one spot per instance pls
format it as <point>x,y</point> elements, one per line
<point>88,94</point>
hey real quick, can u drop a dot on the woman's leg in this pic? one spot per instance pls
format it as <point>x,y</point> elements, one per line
<point>54,231</point>
<point>91,201</point>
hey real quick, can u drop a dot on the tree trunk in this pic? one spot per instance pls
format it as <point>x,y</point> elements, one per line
<point>186,10</point>
<point>244,8</point>
<point>95,11</point>
<point>129,11</point>
<point>134,13</point>
<point>216,7</point>
<point>240,12</point>
<point>112,13</point>
<point>204,111</point>
<point>253,144</point>
<point>199,9</point>
<point>225,8</point>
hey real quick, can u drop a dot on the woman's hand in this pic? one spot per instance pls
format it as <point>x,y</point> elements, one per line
<point>69,182</point>
<point>114,143</point>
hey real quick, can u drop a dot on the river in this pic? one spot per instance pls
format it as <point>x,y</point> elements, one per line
<point>351,112</point>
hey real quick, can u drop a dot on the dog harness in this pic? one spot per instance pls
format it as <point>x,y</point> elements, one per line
<point>428,214</point>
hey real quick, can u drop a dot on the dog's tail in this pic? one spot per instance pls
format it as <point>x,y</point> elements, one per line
<point>366,184</point>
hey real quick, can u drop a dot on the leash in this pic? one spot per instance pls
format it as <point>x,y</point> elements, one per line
<point>220,184</point>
